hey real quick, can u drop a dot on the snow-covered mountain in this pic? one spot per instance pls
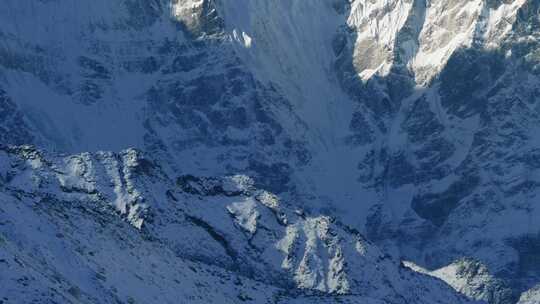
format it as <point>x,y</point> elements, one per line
<point>409,123</point>
<point>109,228</point>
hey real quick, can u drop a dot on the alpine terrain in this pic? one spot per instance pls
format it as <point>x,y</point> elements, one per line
<point>270,151</point>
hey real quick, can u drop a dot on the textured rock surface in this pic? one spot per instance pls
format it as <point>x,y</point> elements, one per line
<point>104,227</point>
<point>415,122</point>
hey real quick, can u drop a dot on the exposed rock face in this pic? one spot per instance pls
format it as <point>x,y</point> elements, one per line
<point>413,121</point>
<point>473,279</point>
<point>531,296</point>
<point>123,222</point>
<point>441,103</point>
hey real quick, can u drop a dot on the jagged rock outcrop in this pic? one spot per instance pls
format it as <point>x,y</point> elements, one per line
<point>122,221</point>
<point>473,279</point>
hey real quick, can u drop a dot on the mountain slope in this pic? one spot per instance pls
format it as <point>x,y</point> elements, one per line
<point>100,228</point>
<point>412,121</point>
